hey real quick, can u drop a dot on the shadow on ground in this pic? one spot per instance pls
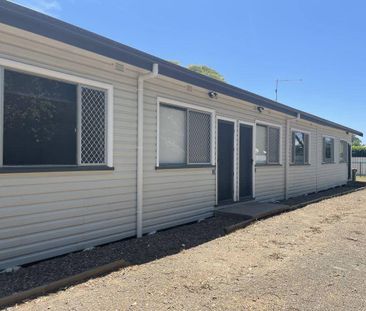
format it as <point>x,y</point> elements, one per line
<point>136,251</point>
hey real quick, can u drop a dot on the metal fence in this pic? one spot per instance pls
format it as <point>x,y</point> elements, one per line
<point>359,163</point>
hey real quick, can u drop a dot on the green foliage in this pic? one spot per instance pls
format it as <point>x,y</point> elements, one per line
<point>207,71</point>
<point>358,151</point>
<point>356,141</point>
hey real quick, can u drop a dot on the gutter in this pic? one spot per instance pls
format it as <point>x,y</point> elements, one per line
<point>140,144</point>
<point>287,152</point>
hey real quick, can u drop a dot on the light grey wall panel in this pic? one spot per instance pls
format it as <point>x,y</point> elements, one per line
<point>48,214</point>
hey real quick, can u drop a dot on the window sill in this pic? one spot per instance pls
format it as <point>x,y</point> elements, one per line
<point>183,166</point>
<point>265,165</point>
<point>328,162</point>
<point>40,169</point>
<point>298,164</point>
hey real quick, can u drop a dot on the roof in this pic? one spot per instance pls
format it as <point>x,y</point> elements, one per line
<point>44,25</point>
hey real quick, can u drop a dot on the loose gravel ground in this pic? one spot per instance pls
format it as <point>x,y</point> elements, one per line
<point>133,251</point>
<point>309,259</point>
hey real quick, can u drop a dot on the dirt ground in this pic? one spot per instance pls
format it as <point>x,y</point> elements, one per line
<point>309,259</point>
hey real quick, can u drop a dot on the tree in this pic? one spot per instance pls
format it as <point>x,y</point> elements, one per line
<point>207,71</point>
<point>356,141</point>
<point>359,151</point>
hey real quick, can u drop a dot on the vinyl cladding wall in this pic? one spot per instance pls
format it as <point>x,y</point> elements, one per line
<point>317,176</point>
<point>331,175</point>
<point>194,189</point>
<point>47,214</point>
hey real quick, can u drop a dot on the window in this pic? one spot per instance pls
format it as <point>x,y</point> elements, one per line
<point>267,144</point>
<point>343,152</point>
<point>173,135</point>
<point>328,150</point>
<point>184,136</point>
<point>52,122</point>
<point>300,148</point>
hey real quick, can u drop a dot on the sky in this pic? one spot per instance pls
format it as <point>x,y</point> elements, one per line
<point>251,43</point>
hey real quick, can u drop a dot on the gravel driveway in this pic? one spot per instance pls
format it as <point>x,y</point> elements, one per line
<point>309,259</point>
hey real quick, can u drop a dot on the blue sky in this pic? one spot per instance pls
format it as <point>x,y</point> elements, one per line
<point>252,43</point>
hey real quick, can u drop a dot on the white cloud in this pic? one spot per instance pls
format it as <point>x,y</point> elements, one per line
<point>44,6</point>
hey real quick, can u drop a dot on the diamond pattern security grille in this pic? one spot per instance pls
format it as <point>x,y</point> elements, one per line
<point>273,145</point>
<point>199,131</point>
<point>93,126</point>
<point>307,147</point>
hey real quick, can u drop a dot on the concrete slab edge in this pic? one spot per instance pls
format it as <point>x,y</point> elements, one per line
<point>55,286</point>
<point>245,223</point>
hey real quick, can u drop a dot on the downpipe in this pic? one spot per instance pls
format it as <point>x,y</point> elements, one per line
<point>287,152</point>
<point>140,144</point>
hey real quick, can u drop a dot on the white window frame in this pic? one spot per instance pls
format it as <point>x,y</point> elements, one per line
<point>334,148</point>
<point>341,141</point>
<point>61,76</point>
<point>279,126</point>
<point>293,130</point>
<point>174,103</point>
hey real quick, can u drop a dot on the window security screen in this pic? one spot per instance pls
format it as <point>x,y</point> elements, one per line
<point>307,148</point>
<point>93,126</point>
<point>273,145</point>
<point>199,127</point>
<point>39,120</point>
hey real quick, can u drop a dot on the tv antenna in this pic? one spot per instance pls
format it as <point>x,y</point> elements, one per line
<point>284,80</point>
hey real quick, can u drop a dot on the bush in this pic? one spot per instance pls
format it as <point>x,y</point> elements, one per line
<point>359,151</point>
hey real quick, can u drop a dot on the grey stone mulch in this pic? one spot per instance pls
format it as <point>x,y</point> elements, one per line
<point>303,199</point>
<point>134,251</point>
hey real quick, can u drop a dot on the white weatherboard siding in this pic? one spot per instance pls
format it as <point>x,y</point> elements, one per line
<point>331,175</point>
<point>317,176</point>
<point>190,193</point>
<point>302,178</point>
<point>47,214</point>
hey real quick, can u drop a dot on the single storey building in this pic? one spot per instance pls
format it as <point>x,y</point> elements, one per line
<point>100,142</point>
